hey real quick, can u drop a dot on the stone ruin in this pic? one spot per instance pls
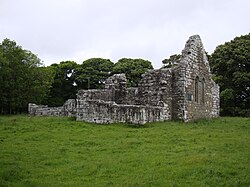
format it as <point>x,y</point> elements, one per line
<point>185,92</point>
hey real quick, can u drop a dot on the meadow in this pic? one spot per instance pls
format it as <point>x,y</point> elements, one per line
<point>53,151</point>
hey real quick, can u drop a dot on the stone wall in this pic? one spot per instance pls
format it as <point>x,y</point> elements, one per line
<point>155,88</point>
<point>151,101</point>
<point>178,93</point>
<point>98,111</point>
<point>186,92</point>
<point>215,100</point>
<point>193,84</point>
<point>68,109</point>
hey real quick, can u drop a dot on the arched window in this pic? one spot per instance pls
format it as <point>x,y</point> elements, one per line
<point>196,91</point>
<point>203,90</point>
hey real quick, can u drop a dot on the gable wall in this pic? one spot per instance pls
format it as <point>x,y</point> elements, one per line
<point>197,100</point>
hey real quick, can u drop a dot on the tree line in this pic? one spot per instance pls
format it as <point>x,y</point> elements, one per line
<point>230,65</point>
<point>24,78</point>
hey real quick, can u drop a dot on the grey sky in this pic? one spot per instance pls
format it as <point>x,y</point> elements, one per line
<point>58,30</point>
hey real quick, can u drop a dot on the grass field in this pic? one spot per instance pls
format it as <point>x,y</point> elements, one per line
<point>40,151</point>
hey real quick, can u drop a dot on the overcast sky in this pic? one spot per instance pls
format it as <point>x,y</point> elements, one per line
<point>59,30</point>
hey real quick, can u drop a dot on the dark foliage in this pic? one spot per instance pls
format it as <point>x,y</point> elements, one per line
<point>230,64</point>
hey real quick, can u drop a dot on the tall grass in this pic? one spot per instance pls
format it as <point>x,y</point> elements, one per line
<point>41,151</point>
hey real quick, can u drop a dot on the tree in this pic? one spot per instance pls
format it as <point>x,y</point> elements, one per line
<point>92,73</point>
<point>133,68</point>
<point>4,75</point>
<point>230,64</point>
<point>171,61</point>
<point>22,79</point>
<point>63,86</point>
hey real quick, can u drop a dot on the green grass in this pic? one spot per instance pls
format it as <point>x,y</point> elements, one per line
<point>41,151</point>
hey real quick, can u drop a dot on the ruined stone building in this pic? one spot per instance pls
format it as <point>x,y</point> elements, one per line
<point>185,91</point>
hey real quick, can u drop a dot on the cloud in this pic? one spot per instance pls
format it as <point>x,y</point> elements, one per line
<point>150,29</point>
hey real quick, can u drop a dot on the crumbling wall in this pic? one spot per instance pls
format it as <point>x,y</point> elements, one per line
<point>131,96</point>
<point>44,110</point>
<point>68,109</point>
<point>178,93</point>
<point>185,92</point>
<point>117,103</point>
<point>194,81</point>
<point>115,90</point>
<point>155,88</point>
<point>116,86</point>
<point>215,100</point>
<point>98,111</point>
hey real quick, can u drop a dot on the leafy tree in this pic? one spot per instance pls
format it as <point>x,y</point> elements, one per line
<point>92,73</point>
<point>171,61</point>
<point>22,79</point>
<point>63,86</point>
<point>230,64</point>
<point>133,68</point>
<point>4,75</point>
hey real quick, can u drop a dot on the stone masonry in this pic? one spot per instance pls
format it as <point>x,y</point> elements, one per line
<point>185,92</point>
<point>68,109</point>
